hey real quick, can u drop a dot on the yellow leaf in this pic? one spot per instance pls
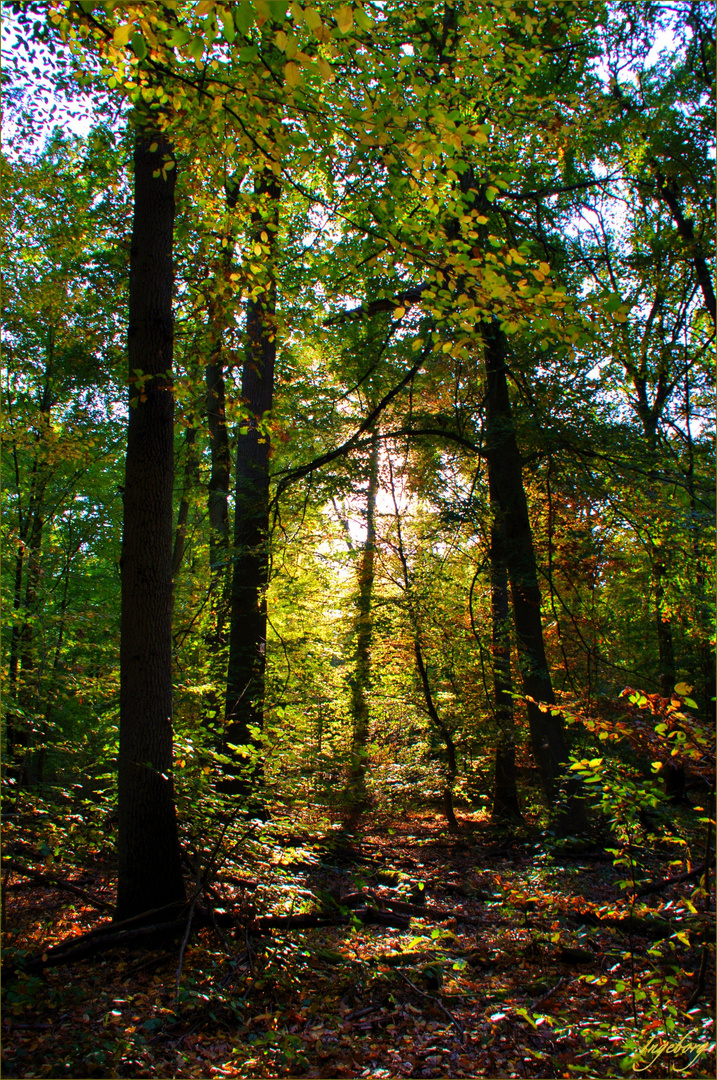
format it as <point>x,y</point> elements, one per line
<point>257,249</point>
<point>344,19</point>
<point>325,69</point>
<point>418,344</point>
<point>204,7</point>
<point>280,40</point>
<point>544,269</point>
<point>447,346</point>
<point>292,75</point>
<point>399,312</point>
<point>153,148</point>
<point>312,18</point>
<point>122,34</point>
<point>683,688</point>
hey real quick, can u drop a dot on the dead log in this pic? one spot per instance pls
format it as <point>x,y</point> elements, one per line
<point>657,886</point>
<point>53,881</point>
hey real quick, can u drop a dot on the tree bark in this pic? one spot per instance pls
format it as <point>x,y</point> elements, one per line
<point>505,792</point>
<point>546,729</point>
<point>247,634</point>
<point>364,632</point>
<point>149,864</point>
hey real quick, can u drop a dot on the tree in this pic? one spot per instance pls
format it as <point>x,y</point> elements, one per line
<point>150,871</point>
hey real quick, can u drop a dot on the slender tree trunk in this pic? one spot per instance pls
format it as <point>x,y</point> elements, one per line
<point>27,686</point>
<point>665,645</point>
<point>191,479</point>
<point>452,766</point>
<point>546,729</point>
<point>705,660</point>
<point>218,501</point>
<point>364,631</point>
<point>438,724</point>
<point>247,634</point>
<point>149,861</point>
<point>505,792</point>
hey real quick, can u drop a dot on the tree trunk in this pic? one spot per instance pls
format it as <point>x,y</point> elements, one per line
<point>247,634</point>
<point>191,479</point>
<point>663,623</point>
<point>218,502</point>
<point>505,793</point>
<point>364,631</point>
<point>546,730</point>
<point>149,862</point>
<point>435,717</point>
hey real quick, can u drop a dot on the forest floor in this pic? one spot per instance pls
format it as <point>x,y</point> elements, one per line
<point>512,957</point>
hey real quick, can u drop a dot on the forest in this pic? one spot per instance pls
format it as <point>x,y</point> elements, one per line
<point>358,481</point>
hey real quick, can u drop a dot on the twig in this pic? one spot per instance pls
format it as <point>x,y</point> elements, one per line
<point>185,939</point>
<point>249,951</point>
<point>429,997</point>
<point>544,998</point>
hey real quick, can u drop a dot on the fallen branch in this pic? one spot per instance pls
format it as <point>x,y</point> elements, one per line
<point>366,915</point>
<point>429,997</point>
<point>63,954</point>
<point>108,937</point>
<point>656,886</point>
<point>55,882</point>
<point>425,911</point>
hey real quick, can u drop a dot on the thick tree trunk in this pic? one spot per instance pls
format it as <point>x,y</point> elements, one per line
<point>364,631</point>
<point>505,792</point>
<point>546,729</point>
<point>149,862</point>
<point>247,634</point>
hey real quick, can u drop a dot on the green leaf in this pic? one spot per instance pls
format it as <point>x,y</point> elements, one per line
<point>228,28</point>
<point>244,16</point>
<point>195,48</point>
<point>277,10</point>
<point>139,46</point>
<point>180,37</point>
<point>362,19</point>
